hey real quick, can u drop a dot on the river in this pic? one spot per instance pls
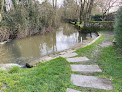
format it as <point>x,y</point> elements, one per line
<point>24,50</point>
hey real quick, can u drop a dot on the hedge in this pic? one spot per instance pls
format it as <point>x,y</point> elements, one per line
<point>118,28</point>
<point>91,26</point>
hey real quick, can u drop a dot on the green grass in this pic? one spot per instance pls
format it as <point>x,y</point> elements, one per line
<point>111,66</point>
<point>51,76</point>
<point>108,59</point>
<point>14,69</point>
<point>54,75</point>
<point>89,49</point>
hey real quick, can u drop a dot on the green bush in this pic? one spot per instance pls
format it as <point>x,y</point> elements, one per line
<point>118,28</point>
<point>15,69</point>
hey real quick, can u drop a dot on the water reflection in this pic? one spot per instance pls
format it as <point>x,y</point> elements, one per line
<point>23,50</point>
<point>64,41</point>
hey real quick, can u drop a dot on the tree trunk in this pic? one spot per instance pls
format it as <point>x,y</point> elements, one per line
<point>55,12</point>
<point>86,11</point>
<point>53,3</point>
<point>2,4</point>
<point>82,10</point>
<point>89,10</point>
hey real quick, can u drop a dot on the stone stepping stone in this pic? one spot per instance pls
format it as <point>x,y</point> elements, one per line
<point>71,90</point>
<point>85,68</point>
<point>67,55</point>
<point>91,81</point>
<point>106,44</point>
<point>77,59</point>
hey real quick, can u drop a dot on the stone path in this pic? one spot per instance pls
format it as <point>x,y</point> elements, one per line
<point>85,68</point>
<point>91,81</point>
<point>67,55</point>
<point>71,90</point>
<point>83,80</point>
<point>106,44</point>
<point>77,59</point>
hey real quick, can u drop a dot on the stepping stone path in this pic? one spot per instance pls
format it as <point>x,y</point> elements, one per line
<point>83,80</point>
<point>85,68</point>
<point>67,55</point>
<point>91,81</point>
<point>77,59</point>
<point>106,44</point>
<point>71,90</point>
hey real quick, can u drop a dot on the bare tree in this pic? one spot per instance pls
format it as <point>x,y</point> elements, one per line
<point>105,6</point>
<point>85,9</point>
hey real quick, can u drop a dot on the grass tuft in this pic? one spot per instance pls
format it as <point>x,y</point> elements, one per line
<point>15,69</point>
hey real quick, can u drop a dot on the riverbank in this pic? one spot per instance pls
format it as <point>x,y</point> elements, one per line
<point>22,51</point>
<point>59,54</point>
<point>54,75</point>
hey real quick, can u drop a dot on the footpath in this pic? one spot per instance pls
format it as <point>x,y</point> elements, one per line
<point>83,80</point>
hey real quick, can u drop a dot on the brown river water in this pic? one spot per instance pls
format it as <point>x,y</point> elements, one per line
<point>21,51</point>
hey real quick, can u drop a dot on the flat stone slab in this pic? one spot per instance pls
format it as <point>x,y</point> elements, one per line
<point>85,68</point>
<point>91,81</point>
<point>106,44</point>
<point>72,90</point>
<point>67,55</point>
<point>77,59</point>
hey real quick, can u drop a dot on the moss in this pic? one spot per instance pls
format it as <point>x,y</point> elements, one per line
<point>100,21</point>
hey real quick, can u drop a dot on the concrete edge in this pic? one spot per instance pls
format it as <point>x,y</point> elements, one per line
<point>93,40</point>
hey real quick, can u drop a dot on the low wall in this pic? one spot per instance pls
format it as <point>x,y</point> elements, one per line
<point>91,26</point>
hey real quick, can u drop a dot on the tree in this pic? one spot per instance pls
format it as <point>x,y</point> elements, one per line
<point>105,6</point>
<point>70,10</point>
<point>85,9</point>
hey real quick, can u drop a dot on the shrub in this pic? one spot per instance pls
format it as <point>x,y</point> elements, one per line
<point>118,28</point>
<point>15,69</point>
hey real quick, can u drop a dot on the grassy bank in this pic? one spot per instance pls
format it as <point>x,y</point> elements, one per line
<point>54,75</point>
